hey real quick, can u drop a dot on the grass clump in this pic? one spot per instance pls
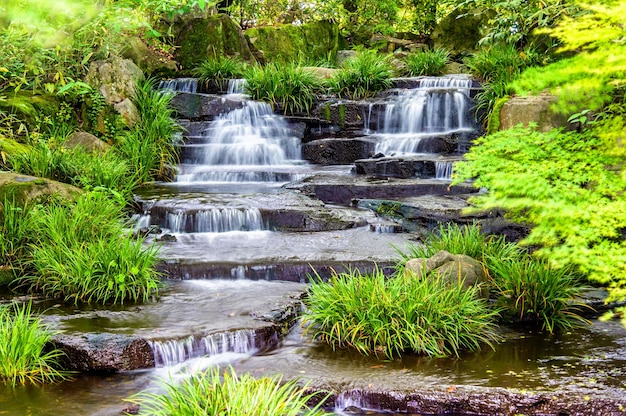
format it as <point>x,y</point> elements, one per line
<point>362,76</point>
<point>287,87</point>
<point>527,289</point>
<point>429,62</point>
<point>219,69</point>
<point>81,253</point>
<point>228,395</point>
<point>385,316</point>
<point>15,234</point>
<point>150,146</point>
<point>24,358</point>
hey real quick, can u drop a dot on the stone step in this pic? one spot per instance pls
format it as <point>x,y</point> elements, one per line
<point>422,166</point>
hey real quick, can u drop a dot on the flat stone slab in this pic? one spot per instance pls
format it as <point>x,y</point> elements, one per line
<point>426,166</point>
<point>345,189</point>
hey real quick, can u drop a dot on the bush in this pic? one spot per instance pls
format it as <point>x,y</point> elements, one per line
<point>527,289</point>
<point>362,76</point>
<point>81,254</point>
<point>23,355</point>
<point>287,87</point>
<point>230,395</point>
<point>430,62</point>
<point>15,234</point>
<point>389,316</point>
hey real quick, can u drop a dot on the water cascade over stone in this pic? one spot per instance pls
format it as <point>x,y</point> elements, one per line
<point>179,85</point>
<point>440,106</point>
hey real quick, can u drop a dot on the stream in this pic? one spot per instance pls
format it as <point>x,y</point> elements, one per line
<point>240,247</point>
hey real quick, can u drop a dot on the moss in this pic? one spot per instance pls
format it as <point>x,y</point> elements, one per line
<point>326,111</point>
<point>493,123</point>
<point>29,189</point>
<point>342,115</point>
<point>289,43</point>
<point>218,35</point>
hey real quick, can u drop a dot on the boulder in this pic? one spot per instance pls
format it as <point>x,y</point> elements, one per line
<point>104,353</point>
<point>87,141</point>
<point>338,151</point>
<point>536,109</point>
<point>201,38</point>
<point>151,61</point>
<point>289,43</point>
<point>344,55</point>
<point>203,106</point>
<point>455,269</point>
<point>114,78</point>
<point>460,31</point>
<point>29,189</point>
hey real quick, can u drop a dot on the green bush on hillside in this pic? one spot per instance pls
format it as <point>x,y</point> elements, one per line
<point>362,76</point>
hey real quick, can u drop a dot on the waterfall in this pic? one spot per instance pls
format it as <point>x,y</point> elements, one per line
<point>179,85</point>
<point>443,170</point>
<point>171,352</point>
<point>439,106</point>
<point>215,220</point>
<point>236,86</point>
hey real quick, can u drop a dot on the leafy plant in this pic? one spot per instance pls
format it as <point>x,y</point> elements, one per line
<point>287,87</point>
<point>150,147</point>
<point>15,232</point>
<point>220,68</point>
<point>390,316</point>
<point>228,395</point>
<point>80,254</point>
<point>362,76</point>
<point>429,62</point>
<point>24,357</point>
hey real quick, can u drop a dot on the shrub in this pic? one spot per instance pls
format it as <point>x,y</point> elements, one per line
<point>229,395</point>
<point>81,254</point>
<point>15,233</point>
<point>430,62</point>
<point>527,289</point>
<point>24,358</point>
<point>389,316</point>
<point>362,76</point>
<point>287,87</point>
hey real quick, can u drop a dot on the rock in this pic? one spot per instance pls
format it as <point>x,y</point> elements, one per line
<point>288,43</point>
<point>152,62</point>
<point>460,31</point>
<point>32,190</point>
<point>127,109</point>
<point>344,55</point>
<point>320,72</point>
<point>203,106</point>
<point>114,78</point>
<point>87,141</point>
<point>455,269</point>
<point>104,353</point>
<point>536,109</point>
<point>202,38</point>
<point>338,151</point>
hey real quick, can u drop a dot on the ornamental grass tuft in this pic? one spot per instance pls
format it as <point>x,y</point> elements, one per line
<point>24,358</point>
<point>429,62</point>
<point>229,394</point>
<point>375,314</point>
<point>362,76</point>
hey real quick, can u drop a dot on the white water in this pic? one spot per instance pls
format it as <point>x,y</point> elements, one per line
<point>443,170</point>
<point>179,85</point>
<point>216,220</point>
<point>438,107</point>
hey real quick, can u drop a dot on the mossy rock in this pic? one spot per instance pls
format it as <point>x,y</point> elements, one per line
<point>9,147</point>
<point>151,61</point>
<point>202,38</point>
<point>460,31</point>
<point>288,43</point>
<point>24,189</point>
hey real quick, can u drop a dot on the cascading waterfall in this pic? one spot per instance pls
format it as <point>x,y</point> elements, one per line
<point>189,85</point>
<point>236,86</point>
<point>243,145</point>
<point>172,352</point>
<point>216,220</point>
<point>443,170</point>
<point>439,106</point>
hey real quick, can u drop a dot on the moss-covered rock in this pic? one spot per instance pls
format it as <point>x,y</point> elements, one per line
<point>24,189</point>
<point>151,61</point>
<point>460,31</point>
<point>202,38</point>
<point>288,43</point>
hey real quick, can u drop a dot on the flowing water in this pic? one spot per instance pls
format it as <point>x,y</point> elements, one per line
<point>235,255</point>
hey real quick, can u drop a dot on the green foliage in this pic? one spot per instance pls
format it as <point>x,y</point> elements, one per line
<point>228,395</point>
<point>513,22</point>
<point>430,62</point>
<point>527,289</point>
<point>389,316</point>
<point>362,76</point>
<point>287,87</point>
<point>15,232</point>
<point>569,186</point>
<point>150,146</point>
<point>80,253</point>
<point>220,68</point>
<point>533,291</point>
<point>24,358</point>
